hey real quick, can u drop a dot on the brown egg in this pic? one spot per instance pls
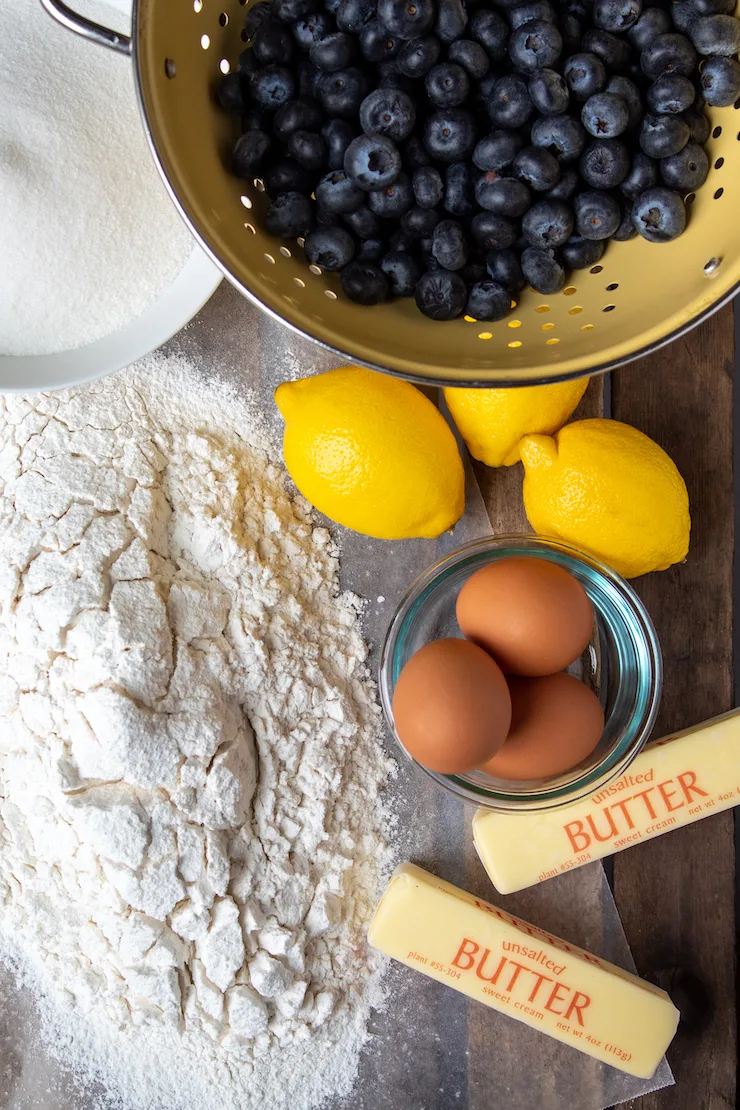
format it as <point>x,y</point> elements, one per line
<point>531,615</point>
<point>451,706</point>
<point>556,722</point>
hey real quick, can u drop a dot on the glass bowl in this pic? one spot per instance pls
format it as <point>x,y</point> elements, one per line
<point>622,665</point>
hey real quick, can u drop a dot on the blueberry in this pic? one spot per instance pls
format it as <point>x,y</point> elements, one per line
<point>377,44</point>
<point>371,250</point>
<point>364,283</point>
<point>489,29</point>
<point>288,11</point>
<point>580,254</point>
<point>670,94</point>
<point>352,15</point>
<point>548,223</point>
<point>717,35</point>
<point>720,82</point>
<point>393,200</point>
<point>447,85</point>
<point>449,134</point>
<point>563,136</point>
<point>342,93</point>
<point>329,247</point>
<point>504,266</point>
<point>492,232</point>
<point>256,17</point>
<point>428,261</point>
<point>497,150</point>
<point>273,45</point>
<point>626,229</point>
<point>338,134</point>
<point>402,270</point>
<point>372,162</point>
<point>471,56</point>
<point>452,19</point>
<point>699,125</point>
<point>286,176</point>
<point>614,52</point>
<point>458,194</point>
<point>473,272</point>
<point>333,52</point>
<point>449,246</point>
<point>419,223</point>
<point>364,223</point>
<point>249,153</point>
<point>643,175</point>
<point>537,168</point>
<point>542,270</point>
<point>683,16</point>
<point>338,193</point>
<point>441,295</point>
<point>332,6</point>
<point>271,87</point>
<point>571,29</point>
<point>296,115</point>
<point>322,218</point>
<point>509,103</point>
<point>414,154</point>
<point>417,58</point>
<point>312,29</point>
<point>605,115</point>
<point>502,195</point>
<point>390,77</point>
<point>662,136</point>
<point>308,149</point>
<point>627,91</point>
<point>232,93</point>
<point>535,45</point>
<point>668,54</point>
<point>247,63</point>
<point>604,163</point>
<point>652,22</point>
<point>597,215</point>
<point>532,9</point>
<point>566,186</point>
<point>659,215</point>
<point>388,112</point>
<point>427,185</point>
<point>585,74</point>
<point>488,300</point>
<point>617,15</point>
<point>714,7</point>
<point>254,119</point>
<point>549,92</point>
<point>686,170</point>
<point>308,80</point>
<point>289,215</point>
<point>409,19</point>
<point>399,241</point>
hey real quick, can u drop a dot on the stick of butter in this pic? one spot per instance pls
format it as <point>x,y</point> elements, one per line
<point>516,968</point>
<point>673,782</point>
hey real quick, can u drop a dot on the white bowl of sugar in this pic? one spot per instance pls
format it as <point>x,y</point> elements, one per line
<point>97,268</point>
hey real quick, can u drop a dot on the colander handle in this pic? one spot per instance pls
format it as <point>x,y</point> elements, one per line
<point>96,32</point>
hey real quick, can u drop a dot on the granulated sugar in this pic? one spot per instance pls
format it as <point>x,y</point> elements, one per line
<point>191,830</point>
<point>89,238</point>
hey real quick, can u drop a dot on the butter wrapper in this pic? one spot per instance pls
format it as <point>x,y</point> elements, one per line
<point>673,782</point>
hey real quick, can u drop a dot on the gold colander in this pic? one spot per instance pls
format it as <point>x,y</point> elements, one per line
<point>639,297</point>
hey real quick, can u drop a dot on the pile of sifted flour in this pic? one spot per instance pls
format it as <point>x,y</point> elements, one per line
<point>191,833</point>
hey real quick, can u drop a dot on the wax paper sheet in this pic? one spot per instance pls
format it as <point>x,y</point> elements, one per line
<point>432,1049</point>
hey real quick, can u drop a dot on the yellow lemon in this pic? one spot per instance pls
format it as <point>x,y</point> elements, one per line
<point>372,453</point>
<point>493,421</point>
<point>611,490</point>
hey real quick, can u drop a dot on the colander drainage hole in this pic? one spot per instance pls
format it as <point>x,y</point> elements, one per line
<point>515,343</point>
<point>614,285</point>
<point>223,19</point>
<point>330,294</point>
<point>712,266</point>
<point>718,194</point>
<point>547,327</point>
<point>224,65</point>
<point>489,335</point>
<point>205,42</point>
<point>588,327</point>
<point>170,68</point>
<point>596,269</point>
<point>689,200</point>
<point>609,308</point>
<point>717,132</point>
<point>197,6</point>
<point>246,201</point>
<point>570,290</point>
<point>719,163</point>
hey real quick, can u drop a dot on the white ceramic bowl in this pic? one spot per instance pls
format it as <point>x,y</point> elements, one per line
<point>177,305</point>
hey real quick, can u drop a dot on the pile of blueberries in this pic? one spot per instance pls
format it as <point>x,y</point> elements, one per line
<point>458,150</point>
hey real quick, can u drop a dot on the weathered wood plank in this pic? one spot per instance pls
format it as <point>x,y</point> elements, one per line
<point>676,893</point>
